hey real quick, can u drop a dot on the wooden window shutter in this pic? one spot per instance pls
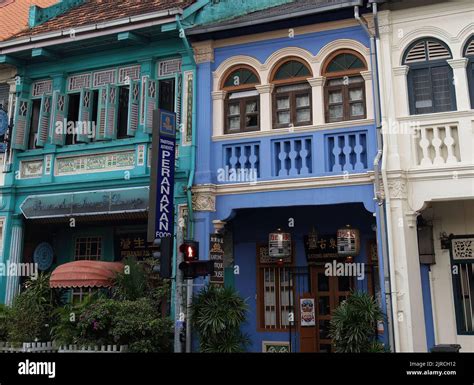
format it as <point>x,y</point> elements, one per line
<point>151,100</point>
<point>101,113</point>
<point>22,124</point>
<point>133,108</point>
<point>85,115</point>
<point>111,112</point>
<point>44,120</point>
<point>57,129</point>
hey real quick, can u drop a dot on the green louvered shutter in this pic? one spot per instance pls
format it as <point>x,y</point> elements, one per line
<point>101,114</point>
<point>133,108</point>
<point>151,101</point>
<point>111,112</point>
<point>44,121</point>
<point>58,130</point>
<point>21,126</point>
<point>85,115</point>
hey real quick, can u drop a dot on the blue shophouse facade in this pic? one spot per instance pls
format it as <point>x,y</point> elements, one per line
<point>286,140</point>
<point>83,192</point>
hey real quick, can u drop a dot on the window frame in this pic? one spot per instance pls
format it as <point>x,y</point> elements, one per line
<point>346,102</point>
<point>85,236</point>
<point>457,288</point>
<point>295,81</point>
<point>242,101</point>
<point>429,65</point>
<point>470,70</point>
<point>261,292</point>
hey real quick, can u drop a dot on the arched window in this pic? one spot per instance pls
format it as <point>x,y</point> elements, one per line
<point>292,94</point>
<point>469,54</point>
<point>242,103</point>
<point>430,77</point>
<point>344,89</point>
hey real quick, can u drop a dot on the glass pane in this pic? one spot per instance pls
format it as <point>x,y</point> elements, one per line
<point>335,82</point>
<point>344,62</point>
<point>291,69</point>
<point>234,123</point>
<point>302,100</point>
<point>251,120</point>
<point>355,94</point>
<point>234,109</point>
<point>335,97</point>
<point>335,112</point>
<point>324,307</point>
<point>251,107</point>
<point>283,103</point>
<point>240,76</point>
<point>440,77</point>
<point>323,282</point>
<point>344,283</point>
<point>324,329</point>
<point>357,109</point>
<point>422,91</point>
<point>283,117</point>
<point>303,115</point>
<point>293,87</point>
<point>325,348</point>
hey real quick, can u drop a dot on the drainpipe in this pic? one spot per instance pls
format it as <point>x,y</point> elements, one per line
<point>190,231</point>
<point>379,197</point>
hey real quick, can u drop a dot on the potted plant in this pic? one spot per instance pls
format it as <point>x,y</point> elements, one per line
<point>354,323</point>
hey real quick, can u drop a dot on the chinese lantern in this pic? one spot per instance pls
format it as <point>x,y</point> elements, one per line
<point>348,242</point>
<point>279,244</point>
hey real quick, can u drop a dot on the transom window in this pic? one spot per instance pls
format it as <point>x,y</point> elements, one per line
<point>345,87</point>
<point>242,103</point>
<point>88,248</point>
<point>292,94</point>
<point>430,77</point>
<point>469,54</point>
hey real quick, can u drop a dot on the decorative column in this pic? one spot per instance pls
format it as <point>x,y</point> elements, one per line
<point>266,119</point>
<point>16,250</point>
<point>400,93</point>
<point>318,103</point>
<point>369,94</point>
<point>409,320</point>
<point>218,123</point>
<point>460,83</point>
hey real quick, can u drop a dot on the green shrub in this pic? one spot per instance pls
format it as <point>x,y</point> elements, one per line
<point>217,314</point>
<point>30,316</point>
<point>353,325</point>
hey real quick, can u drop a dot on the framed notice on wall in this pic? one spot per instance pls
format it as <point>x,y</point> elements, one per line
<point>307,312</point>
<point>216,254</point>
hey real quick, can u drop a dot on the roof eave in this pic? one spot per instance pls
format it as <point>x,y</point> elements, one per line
<point>210,29</point>
<point>87,31</point>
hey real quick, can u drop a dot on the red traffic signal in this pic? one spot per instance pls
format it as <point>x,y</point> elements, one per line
<point>190,251</point>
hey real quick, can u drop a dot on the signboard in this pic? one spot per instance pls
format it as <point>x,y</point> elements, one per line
<point>263,257</point>
<point>307,312</point>
<point>216,254</point>
<point>325,248</point>
<point>132,245</point>
<point>279,245</point>
<point>348,242</point>
<point>275,347</point>
<point>160,218</point>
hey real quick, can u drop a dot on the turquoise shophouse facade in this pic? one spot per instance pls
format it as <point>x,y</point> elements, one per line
<point>84,191</point>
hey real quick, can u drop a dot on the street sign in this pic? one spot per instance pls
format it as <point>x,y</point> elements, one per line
<point>160,218</point>
<point>216,254</point>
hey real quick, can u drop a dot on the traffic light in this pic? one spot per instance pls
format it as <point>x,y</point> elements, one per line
<point>190,251</point>
<point>162,250</point>
<point>191,266</point>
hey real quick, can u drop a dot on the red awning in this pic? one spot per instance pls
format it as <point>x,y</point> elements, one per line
<point>85,274</point>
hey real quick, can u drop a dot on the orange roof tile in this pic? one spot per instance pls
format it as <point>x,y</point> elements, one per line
<point>96,11</point>
<point>14,15</point>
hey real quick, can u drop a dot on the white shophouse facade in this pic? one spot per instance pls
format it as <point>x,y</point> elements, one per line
<point>426,65</point>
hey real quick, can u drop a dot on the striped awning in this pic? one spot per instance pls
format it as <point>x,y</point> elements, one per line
<point>85,274</point>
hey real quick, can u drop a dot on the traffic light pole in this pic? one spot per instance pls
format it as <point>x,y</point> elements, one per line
<point>189,300</point>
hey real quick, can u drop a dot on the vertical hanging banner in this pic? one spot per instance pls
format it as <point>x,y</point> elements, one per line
<point>216,254</point>
<point>160,215</point>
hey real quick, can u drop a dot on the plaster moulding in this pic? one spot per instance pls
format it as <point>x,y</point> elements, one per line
<point>204,198</point>
<point>204,51</point>
<point>397,189</point>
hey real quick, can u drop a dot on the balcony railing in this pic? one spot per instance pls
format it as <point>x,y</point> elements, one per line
<point>298,155</point>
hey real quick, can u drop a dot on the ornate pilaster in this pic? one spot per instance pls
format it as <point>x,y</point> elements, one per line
<point>203,51</point>
<point>265,92</point>
<point>16,250</point>
<point>317,94</point>
<point>218,98</point>
<point>204,198</point>
<point>461,83</point>
<point>369,97</point>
